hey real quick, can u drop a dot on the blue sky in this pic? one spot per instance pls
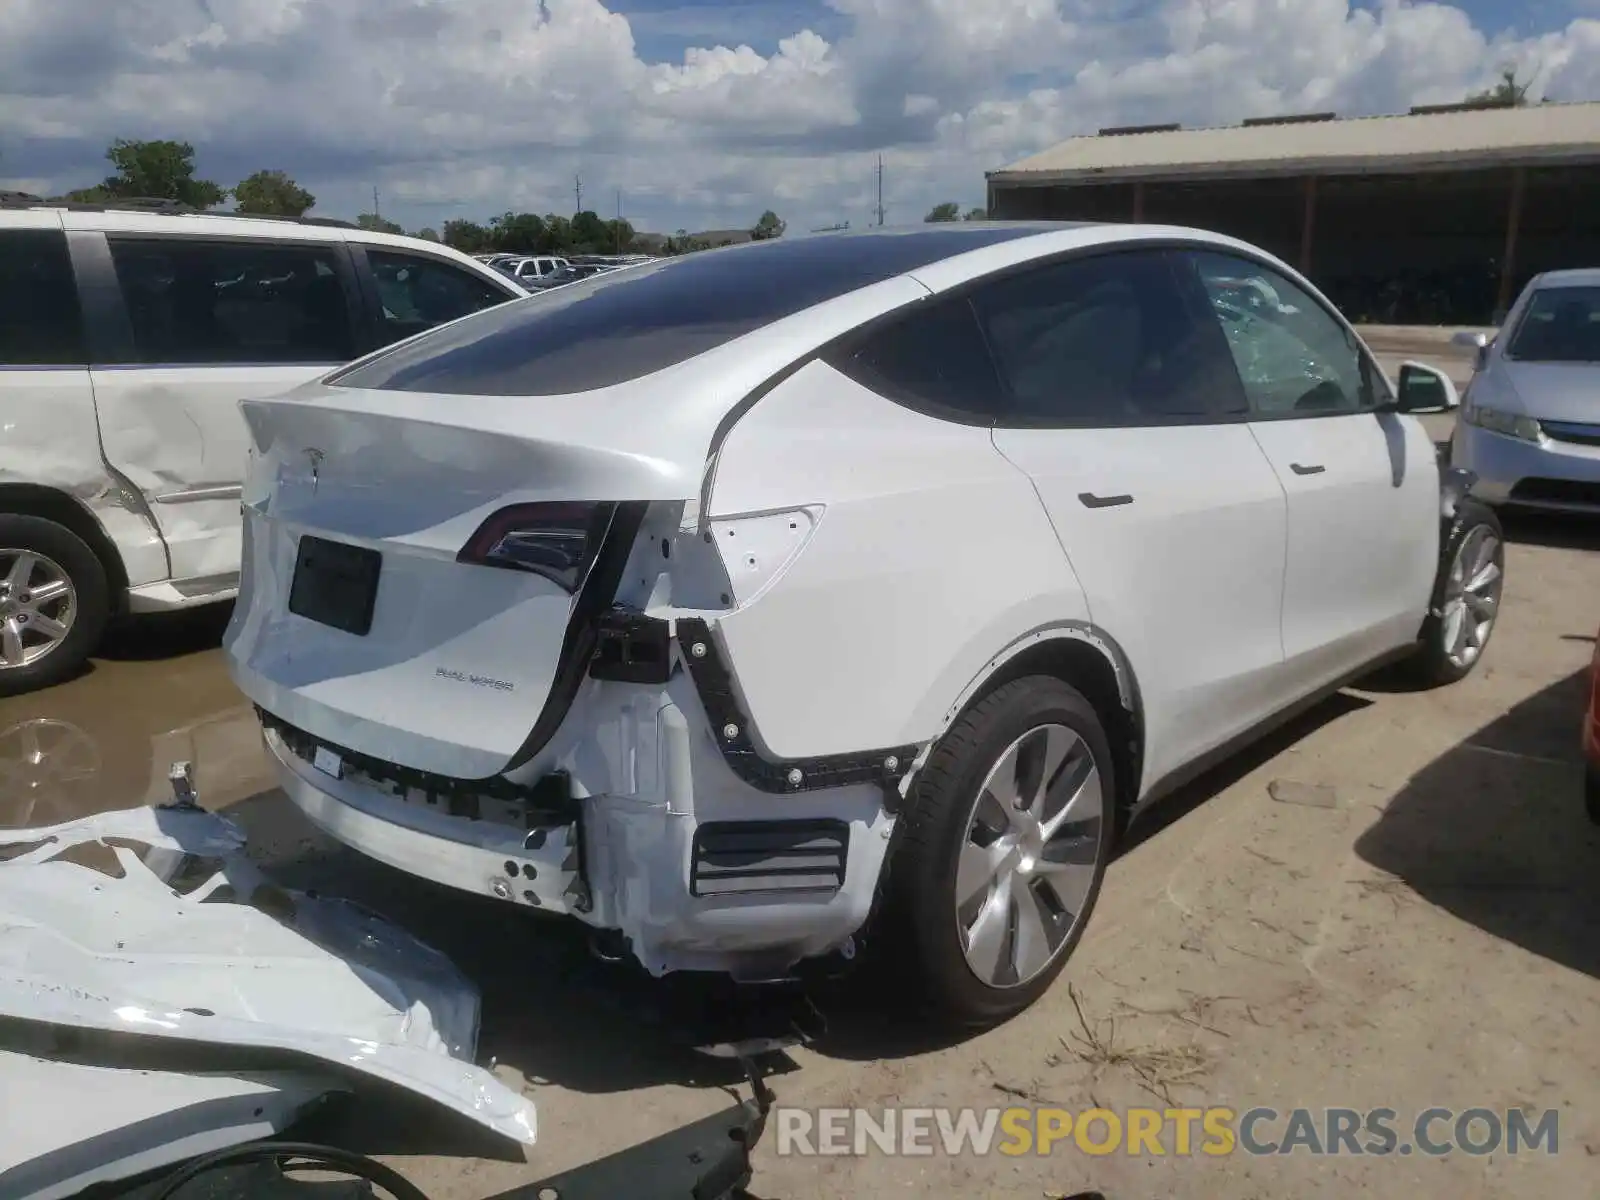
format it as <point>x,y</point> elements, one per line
<point>702,113</point>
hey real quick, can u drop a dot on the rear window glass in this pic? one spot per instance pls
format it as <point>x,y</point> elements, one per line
<point>622,325</point>
<point>1562,324</point>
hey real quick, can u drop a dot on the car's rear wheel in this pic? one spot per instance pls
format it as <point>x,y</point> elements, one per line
<point>1004,848</point>
<point>54,603</point>
<point>1466,598</point>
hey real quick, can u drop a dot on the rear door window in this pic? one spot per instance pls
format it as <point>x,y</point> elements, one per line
<point>41,324</point>
<point>200,301</point>
<point>418,292</point>
<point>1106,341</point>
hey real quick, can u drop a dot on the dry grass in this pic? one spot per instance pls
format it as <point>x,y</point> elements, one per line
<point>1156,1069</point>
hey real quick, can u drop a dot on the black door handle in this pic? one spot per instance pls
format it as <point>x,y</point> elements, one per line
<point>1299,469</point>
<point>1090,500</point>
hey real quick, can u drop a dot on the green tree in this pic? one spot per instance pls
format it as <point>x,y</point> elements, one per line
<point>558,234</point>
<point>374,223</point>
<point>467,236</point>
<point>948,211</point>
<point>1509,92</point>
<point>158,171</point>
<point>428,235</point>
<point>769,226</point>
<point>273,194</point>
<point>520,233</point>
<point>589,234</point>
<point>976,214</point>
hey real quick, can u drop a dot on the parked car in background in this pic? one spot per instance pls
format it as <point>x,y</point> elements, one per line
<point>127,340</point>
<point>533,269</point>
<point>890,592</point>
<point>1530,419</point>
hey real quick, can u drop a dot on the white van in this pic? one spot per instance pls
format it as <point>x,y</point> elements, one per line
<point>127,339</point>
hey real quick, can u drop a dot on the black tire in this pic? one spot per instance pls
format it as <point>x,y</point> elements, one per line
<point>1433,666</point>
<point>1591,792</point>
<point>921,934</point>
<point>92,601</point>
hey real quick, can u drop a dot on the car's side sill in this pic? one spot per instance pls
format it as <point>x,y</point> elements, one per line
<point>1192,770</point>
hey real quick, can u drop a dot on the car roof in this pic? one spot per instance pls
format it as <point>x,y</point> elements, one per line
<point>136,219</point>
<point>1571,277</point>
<point>614,327</point>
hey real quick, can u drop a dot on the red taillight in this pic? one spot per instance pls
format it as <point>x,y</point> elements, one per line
<point>558,540</point>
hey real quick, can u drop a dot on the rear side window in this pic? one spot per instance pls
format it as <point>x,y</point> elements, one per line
<point>41,324</point>
<point>211,302</point>
<point>932,360</point>
<point>418,292</point>
<point>1562,324</point>
<point>1109,340</point>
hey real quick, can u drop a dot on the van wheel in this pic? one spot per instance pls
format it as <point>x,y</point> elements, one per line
<point>1466,598</point>
<point>1003,850</point>
<point>54,602</point>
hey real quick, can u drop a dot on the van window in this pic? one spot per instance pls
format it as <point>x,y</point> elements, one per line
<point>194,300</point>
<point>418,292</point>
<point>41,324</point>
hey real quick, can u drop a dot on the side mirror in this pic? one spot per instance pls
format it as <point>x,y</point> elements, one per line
<point>1425,389</point>
<point>1476,342</point>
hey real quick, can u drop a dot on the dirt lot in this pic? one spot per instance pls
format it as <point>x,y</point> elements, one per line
<point>1413,921</point>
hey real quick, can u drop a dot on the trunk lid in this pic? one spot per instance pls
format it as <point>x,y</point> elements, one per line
<point>458,659</point>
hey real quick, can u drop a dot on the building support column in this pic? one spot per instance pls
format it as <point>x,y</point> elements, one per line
<point>1508,260</point>
<point>1308,223</point>
<point>1138,202</point>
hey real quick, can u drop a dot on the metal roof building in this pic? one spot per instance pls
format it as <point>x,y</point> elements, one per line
<point>1438,215</point>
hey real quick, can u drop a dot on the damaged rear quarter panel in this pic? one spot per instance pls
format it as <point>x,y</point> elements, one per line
<point>932,554</point>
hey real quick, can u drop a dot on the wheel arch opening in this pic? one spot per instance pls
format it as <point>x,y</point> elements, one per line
<point>51,504</point>
<point>1106,682</point>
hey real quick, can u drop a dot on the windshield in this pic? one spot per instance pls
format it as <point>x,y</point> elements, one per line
<point>1562,324</point>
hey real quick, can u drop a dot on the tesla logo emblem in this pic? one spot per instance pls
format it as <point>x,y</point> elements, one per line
<point>315,457</point>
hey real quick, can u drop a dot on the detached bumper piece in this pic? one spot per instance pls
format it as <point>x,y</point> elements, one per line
<point>766,857</point>
<point>735,732</point>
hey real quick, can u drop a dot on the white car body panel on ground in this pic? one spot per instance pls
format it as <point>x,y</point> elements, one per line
<point>69,1125</point>
<point>312,977</point>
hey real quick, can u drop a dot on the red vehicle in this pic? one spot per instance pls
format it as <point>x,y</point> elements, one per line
<point>1591,739</point>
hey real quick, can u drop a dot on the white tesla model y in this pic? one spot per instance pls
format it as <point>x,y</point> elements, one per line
<point>750,603</point>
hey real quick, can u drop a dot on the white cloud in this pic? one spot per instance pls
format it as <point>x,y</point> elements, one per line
<point>468,107</point>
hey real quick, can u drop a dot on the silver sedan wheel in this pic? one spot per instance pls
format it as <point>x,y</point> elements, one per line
<point>1472,596</point>
<point>1028,862</point>
<point>38,606</point>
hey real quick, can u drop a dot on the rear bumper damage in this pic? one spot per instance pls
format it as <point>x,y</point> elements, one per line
<point>655,814</point>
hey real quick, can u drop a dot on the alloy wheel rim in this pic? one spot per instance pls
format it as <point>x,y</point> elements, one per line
<point>1472,597</point>
<point>1027,863</point>
<point>38,607</point>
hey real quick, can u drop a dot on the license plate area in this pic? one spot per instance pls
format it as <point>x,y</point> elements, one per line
<point>335,584</point>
